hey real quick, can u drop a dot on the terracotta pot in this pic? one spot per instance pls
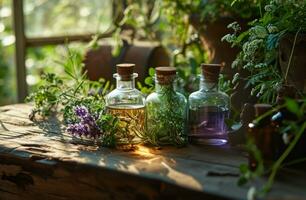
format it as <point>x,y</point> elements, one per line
<point>296,73</point>
<point>211,34</point>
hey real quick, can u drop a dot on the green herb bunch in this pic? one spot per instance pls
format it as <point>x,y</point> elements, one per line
<point>72,90</point>
<point>259,45</point>
<point>166,117</point>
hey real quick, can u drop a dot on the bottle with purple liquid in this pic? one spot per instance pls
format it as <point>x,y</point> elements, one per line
<point>208,109</point>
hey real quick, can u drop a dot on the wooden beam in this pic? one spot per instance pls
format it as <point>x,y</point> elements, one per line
<point>20,49</point>
<point>42,41</point>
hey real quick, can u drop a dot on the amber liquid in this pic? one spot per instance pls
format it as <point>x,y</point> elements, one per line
<point>131,122</point>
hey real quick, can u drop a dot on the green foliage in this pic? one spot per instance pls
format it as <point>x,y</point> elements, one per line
<point>7,75</point>
<point>149,83</point>
<point>166,118</point>
<point>48,94</point>
<point>5,90</point>
<point>212,10</point>
<point>226,85</point>
<point>74,89</point>
<point>259,45</point>
<point>295,126</point>
<point>59,18</point>
<point>152,20</point>
<point>66,17</point>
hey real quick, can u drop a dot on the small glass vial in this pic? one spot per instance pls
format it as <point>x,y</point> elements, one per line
<point>208,109</point>
<point>166,111</point>
<point>128,104</point>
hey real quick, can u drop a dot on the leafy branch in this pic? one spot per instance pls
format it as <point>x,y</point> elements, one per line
<point>73,94</point>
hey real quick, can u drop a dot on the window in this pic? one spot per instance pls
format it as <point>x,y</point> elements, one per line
<point>45,18</point>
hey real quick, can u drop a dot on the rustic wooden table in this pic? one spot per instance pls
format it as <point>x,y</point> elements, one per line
<point>39,161</point>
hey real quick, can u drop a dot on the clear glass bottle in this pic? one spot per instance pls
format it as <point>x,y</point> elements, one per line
<point>208,109</point>
<point>166,111</point>
<point>128,104</point>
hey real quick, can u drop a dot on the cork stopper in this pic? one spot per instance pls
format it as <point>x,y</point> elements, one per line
<point>165,75</point>
<point>261,109</point>
<point>211,72</point>
<point>125,70</point>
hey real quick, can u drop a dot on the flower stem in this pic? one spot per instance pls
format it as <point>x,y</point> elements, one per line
<point>291,54</point>
<point>278,163</point>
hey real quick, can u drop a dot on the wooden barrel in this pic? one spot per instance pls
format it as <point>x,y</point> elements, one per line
<point>100,63</point>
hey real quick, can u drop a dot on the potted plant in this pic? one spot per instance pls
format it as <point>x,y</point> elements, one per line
<point>272,49</point>
<point>210,19</point>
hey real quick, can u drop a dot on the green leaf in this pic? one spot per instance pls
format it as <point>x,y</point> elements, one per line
<point>151,71</point>
<point>233,2</point>
<point>292,106</point>
<point>241,37</point>
<point>139,85</point>
<point>243,168</point>
<point>149,81</point>
<point>105,88</point>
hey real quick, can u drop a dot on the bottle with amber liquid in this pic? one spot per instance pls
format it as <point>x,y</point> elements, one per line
<point>208,109</point>
<point>128,105</point>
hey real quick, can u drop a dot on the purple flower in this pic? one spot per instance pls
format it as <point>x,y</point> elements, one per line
<point>81,111</point>
<point>84,115</point>
<point>88,119</point>
<point>78,129</point>
<point>87,126</point>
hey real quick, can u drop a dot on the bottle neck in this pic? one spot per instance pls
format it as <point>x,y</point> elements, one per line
<point>208,86</point>
<point>163,87</point>
<point>160,88</point>
<point>123,83</point>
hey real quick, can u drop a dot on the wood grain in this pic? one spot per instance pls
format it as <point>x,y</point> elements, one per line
<point>38,160</point>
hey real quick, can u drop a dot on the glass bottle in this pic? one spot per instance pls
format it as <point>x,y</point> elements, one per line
<point>166,111</point>
<point>208,109</point>
<point>128,104</point>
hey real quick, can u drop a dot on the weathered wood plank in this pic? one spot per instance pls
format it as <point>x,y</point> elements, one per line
<point>38,160</point>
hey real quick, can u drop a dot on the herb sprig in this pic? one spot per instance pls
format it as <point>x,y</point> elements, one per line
<point>260,45</point>
<point>166,118</point>
<point>72,95</point>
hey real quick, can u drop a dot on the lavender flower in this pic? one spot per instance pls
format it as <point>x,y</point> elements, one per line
<point>88,119</point>
<point>87,126</point>
<point>78,129</point>
<point>84,115</point>
<point>81,111</point>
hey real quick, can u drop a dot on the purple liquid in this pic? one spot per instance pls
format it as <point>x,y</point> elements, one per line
<point>207,125</point>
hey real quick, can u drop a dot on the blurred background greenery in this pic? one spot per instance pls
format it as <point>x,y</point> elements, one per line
<point>45,18</point>
<point>177,25</point>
